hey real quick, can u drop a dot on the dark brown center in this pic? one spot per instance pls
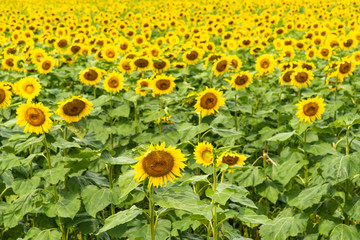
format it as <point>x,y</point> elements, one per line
<point>2,95</point>
<point>75,49</point>
<point>324,52</point>
<point>345,67</point>
<point>221,65</point>
<point>287,76</point>
<point>62,43</point>
<point>265,63</point>
<point>208,101</point>
<point>158,163</point>
<point>159,65</point>
<point>310,109</point>
<point>91,75</point>
<point>301,77</point>
<point>141,63</point>
<point>46,65</point>
<point>231,161</point>
<point>74,108</point>
<point>241,80</point>
<point>35,116</point>
<point>113,82</point>
<point>163,84</point>
<point>348,43</point>
<point>192,55</point>
<point>10,62</point>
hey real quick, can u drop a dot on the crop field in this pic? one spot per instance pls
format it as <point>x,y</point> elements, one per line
<point>179,119</point>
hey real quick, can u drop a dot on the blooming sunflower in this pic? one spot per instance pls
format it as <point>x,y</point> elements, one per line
<point>265,64</point>
<point>286,76</point>
<point>310,109</point>
<point>8,63</point>
<point>235,63</point>
<point>109,53</point>
<point>91,75</point>
<point>204,153</point>
<point>160,65</point>
<point>141,63</point>
<point>114,82</point>
<point>345,68</point>
<point>241,80</point>
<point>160,164</point>
<point>28,87</point>
<point>34,116</point>
<point>73,109</point>
<point>45,65</point>
<point>141,84</point>
<point>125,66</point>
<point>162,84</point>
<point>221,66</point>
<point>5,95</point>
<point>231,159</point>
<point>302,77</point>
<point>209,101</point>
<point>193,56</point>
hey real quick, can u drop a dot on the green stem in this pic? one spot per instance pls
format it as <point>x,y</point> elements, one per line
<point>95,92</point>
<point>160,122</point>
<point>136,118</point>
<point>299,94</point>
<point>335,97</point>
<point>222,176</point>
<point>305,166</point>
<point>200,119</point>
<point>31,162</point>
<point>65,138</point>
<point>236,119</point>
<point>347,141</point>
<point>109,168</point>
<point>111,124</point>
<point>215,225</point>
<point>152,215</point>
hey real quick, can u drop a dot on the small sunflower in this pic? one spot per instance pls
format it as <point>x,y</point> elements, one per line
<point>221,66</point>
<point>193,56</point>
<point>209,101</point>
<point>160,65</point>
<point>91,75</point>
<point>73,109</point>
<point>241,80</point>
<point>286,76</point>
<point>114,82</point>
<point>204,153</point>
<point>5,95</point>
<point>310,109</point>
<point>45,65</point>
<point>235,64</point>
<point>231,159</point>
<point>141,63</point>
<point>28,87</point>
<point>160,164</point>
<point>345,68</point>
<point>302,77</point>
<point>8,63</point>
<point>125,66</point>
<point>141,84</point>
<point>162,84</point>
<point>109,53</point>
<point>35,117</point>
<point>265,64</point>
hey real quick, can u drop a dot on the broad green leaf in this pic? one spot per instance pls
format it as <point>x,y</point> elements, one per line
<point>61,143</point>
<point>9,161</point>
<point>95,199</point>
<point>320,149</point>
<point>250,218</point>
<point>281,137</point>
<point>68,207</point>
<point>54,175</point>
<point>199,178</point>
<point>309,196</point>
<point>352,208</point>
<point>107,158</point>
<point>270,190</point>
<point>22,146</point>
<point>283,226</point>
<point>49,235</point>
<point>25,186</point>
<point>250,177</point>
<point>338,168</point>
<point>326,226</point>
<point>344,232</point>
<point>120,111</point>
<point>224,192</point>
<point>120,218</point>
<point>286,170</point>
<point>125,184</point>
<point>187,131</point>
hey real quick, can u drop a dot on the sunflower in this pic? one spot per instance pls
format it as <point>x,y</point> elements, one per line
<point>310,109</point>
<point>265,64</point>
<point>114,82</point>
<point>193,56</point>
<point>141,84</point>
<point>162,84</point>
<point>28,87</point>
<point>160,65</point>
<point>311,53</point>
<point>286,76</point>
<point>141,63</point>
<point>231,159</point>
<point>73,109</point>
<point>125,66</point>
<point>178,65</point>
<point>302,77</point>
<point>221,66</point>
<point>109,53</point>
<point>235,64</point>
<point>8,63</point>
<point>241,80</point>
<point>35,117</point>
<point>159,164</point>
<point>345,68</point>
<point>5,95</point>
<point>91,75</point>
<point>45,65</point>
<point>209,101</point>
<point>325,52</point>
<point>37,54</point>
<point>204,153</point>
<point>62,43</point>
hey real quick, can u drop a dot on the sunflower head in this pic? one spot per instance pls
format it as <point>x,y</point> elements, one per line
<point>160,164</point>
<point>231,159</point>
<point>73,109</point>
<point>302,77</point>
<point>193,56</point>
<point>5,95</point>
<point>28,88</point>
<point>140,84</point>
<point>109,53</point>
<point>141,63</point>
<point>35,117</point>
<point>91,75</point>
<point>221,66</point>
<point>265,64</point>
<point>204,153</point>
<point>114,82</point>
<point>310,109</point>
<point>209,101</point>
<point>45,65</point>
<point>241,80</point>
<point>162,84</point>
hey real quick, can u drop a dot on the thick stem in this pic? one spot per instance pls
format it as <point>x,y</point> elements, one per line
<point>305,166</point>
<point>65,138</point>
<point>215,224</point>
<point>236,118</point>
<point>160,122</point>
<point>152,215</point>
<point>94,91</point>
<point>299,94</point>
<point>136,118</point>
<point>200,119</point>
<point>335,97</point>
<point>347,141</point>
<point>111,124</point>
<point>109,168</point>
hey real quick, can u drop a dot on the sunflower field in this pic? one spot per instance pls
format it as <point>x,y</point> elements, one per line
<point>179,119</point>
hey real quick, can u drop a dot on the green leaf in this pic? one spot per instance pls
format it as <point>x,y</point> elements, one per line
<point>125,184</point>
<point>68,207</point>
<point>62,144</point>
<point>9,161</point>
<point>270,190</point>
<point>353,208</point>
<point>21,187</point>
<point>54,175</point>
<point>95,199</point>
<point>286,170</point>
<point>338,168</point>
<point>120,111</point>
<point>281,137</point>
<point>251,177</point>
<point>286,224</point>
<point>250,218</point>
<point>226,133</point>
<point>22,146</point>
<point>326,226</point>
<point>320,149</point>
<point>224,192</point>
<point>344,232</point>
<point>100,101</point>
<point>309,196</point>
<point>107,158</point>
<point>194,179</point>
<point>120,218</point>
<point>187,131</point>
